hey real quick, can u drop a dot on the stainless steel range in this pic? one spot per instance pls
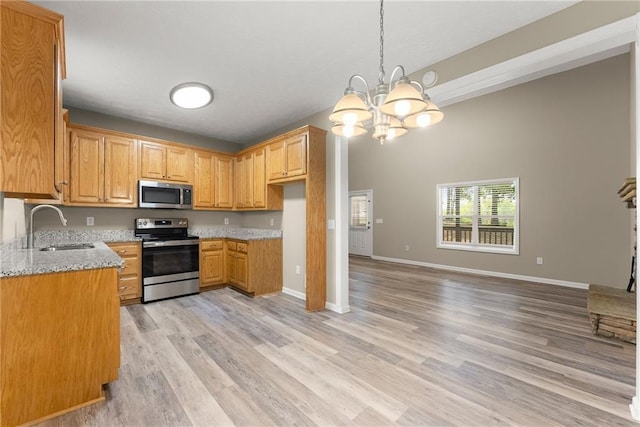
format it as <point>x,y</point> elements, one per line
<point>170,261</point>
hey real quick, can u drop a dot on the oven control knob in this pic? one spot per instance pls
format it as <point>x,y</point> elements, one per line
<point>144,223</point>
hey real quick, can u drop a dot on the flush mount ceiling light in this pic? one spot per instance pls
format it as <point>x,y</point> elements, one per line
<point>191,95</point>
<point>393,113</point>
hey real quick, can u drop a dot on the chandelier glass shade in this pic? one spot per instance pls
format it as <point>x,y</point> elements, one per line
<point>389,113</point>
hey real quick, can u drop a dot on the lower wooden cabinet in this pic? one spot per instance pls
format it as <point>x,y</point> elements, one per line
<point>212,262</point>
<point>254,266</point>
<point>130,276</point>
<point>60,342</point>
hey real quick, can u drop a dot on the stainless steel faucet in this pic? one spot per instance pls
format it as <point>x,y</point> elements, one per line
<point>33,211</point>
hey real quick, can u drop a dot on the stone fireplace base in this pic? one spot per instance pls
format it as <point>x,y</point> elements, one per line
<point>612,312</point>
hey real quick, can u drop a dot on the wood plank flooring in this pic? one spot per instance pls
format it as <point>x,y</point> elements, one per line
<point>420,347</point>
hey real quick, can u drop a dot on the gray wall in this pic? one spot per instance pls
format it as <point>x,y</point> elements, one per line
<point>90,118</point>
<point>566,136</point>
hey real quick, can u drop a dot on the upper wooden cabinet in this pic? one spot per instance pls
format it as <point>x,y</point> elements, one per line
<point>213,180</point>
<point>252,191</point>
<point>165,162</point>
<point>102,169</point>
<point>287,158</point>
<point>204,172</point>
<point>244,181</point>
<point>260,182</point>
<point>223,184</point>
<point>31,127</point>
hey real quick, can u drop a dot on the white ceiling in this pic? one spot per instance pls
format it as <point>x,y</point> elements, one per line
<point>269,63</point>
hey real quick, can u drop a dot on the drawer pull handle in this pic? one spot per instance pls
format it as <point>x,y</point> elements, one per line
<point>122,251</point>
<point>122,288</point>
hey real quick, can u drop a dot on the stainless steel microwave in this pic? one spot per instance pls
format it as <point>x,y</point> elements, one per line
<point>164,195</point>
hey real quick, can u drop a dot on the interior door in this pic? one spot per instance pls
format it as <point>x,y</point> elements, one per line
<point>360,231</point>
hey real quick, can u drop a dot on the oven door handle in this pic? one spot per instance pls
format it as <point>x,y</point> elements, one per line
<point>169,243</point>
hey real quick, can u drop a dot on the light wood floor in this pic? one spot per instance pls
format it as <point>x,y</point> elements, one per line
<point>420,347</point>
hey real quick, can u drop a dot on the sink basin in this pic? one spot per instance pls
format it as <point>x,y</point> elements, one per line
<point>68,247</point>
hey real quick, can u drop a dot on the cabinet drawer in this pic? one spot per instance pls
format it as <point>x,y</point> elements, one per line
<point>231,246</point>
<point>126,249</point>
<point>211,245</point>
<point>243,247</point>
<point>131,266</point>
<point>128,287</point>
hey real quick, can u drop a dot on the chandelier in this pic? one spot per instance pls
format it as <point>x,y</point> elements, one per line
<point>393,112</point>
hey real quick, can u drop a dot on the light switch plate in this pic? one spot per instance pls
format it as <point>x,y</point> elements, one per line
<point>331,224</point>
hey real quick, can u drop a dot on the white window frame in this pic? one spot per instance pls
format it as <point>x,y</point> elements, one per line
<point>474,246</point>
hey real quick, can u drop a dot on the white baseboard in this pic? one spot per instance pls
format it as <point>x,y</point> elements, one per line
<point>634,407</point>
<point>329,305</point>
<point>564,283</point>
<point>294,293</point>
<point>338,309</point>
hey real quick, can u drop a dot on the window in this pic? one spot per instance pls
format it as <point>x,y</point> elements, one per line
<point>359,217</point>
<point>479,216</point>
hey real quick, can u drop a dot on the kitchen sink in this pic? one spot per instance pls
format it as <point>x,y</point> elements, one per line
<point>68,247</point>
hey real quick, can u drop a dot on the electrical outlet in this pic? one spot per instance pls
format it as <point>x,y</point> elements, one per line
<point>539,260</point>
<point>226,221</point>
<point>379,220</point>
<point>90,221</point>
<point>271,222</point>
<point>298,269</point>
<point>406,248</point>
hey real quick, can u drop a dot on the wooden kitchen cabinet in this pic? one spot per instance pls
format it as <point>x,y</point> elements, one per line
<point>252,191</point>
<point>212,262</point>
<point>60,342</point>
<point>213,180</point>
<point>130,275</point>
<point>204,172</point>
<point>243,182</point>
<point>102,169</point>
<point>259,180</point>
<point>165,162</point>
<point>254,266</point>
<point>223,184</point>
<point>31,124</point>
<point>287,159</point>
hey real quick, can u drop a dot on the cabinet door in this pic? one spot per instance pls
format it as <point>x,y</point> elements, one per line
<point>179,164</point>
<point>230,257</point>
<point>120,170</point>
<point>248,180</point>
<point>224,182</point>
<point>203,180</point>
<point>153,160</point>
<point>275,161</point>
<point>242,271</point>
<point>86,167</point>
<point>259,179</point>
<point>296,156</point>
<point>240,182</point>
<point>28,105</point>
<point>212,267</point>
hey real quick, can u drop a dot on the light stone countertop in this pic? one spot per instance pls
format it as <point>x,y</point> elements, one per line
<point>239,233</point>
<point>17,261</point>
<point>26,262</point>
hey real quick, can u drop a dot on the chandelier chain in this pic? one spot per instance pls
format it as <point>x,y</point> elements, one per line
<point>381,74</point>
